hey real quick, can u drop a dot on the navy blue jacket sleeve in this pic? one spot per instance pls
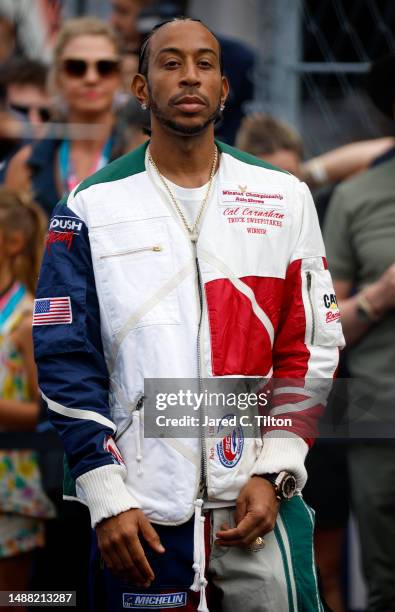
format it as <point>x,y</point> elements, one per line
<point>72,371</point>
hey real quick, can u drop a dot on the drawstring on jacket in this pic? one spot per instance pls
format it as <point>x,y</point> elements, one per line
<point>199,557</point>
<point>139,441</point>
<point>135,410</point>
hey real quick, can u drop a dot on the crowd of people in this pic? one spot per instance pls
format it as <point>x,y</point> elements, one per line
<point>66,111</point>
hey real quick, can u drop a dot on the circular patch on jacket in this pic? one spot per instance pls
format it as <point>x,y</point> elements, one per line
<point>230,448</point>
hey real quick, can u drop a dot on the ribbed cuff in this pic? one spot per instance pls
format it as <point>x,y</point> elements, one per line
<point>283,450</point>
<point>105,492</point>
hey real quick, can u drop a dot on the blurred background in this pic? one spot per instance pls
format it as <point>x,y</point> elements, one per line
<point>311,58</point>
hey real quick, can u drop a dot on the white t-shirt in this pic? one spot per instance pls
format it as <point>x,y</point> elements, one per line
<point>189,199</point>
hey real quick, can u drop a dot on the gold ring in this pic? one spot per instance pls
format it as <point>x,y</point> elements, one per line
<point>257,544</point>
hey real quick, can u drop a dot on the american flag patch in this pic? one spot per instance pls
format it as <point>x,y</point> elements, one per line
<point>52,311</point>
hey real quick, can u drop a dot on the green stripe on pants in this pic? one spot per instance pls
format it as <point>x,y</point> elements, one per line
<point>298,521</point>
<point>286,567</point>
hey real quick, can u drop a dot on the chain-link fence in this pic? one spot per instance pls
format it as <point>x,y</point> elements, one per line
<point>314,57</point>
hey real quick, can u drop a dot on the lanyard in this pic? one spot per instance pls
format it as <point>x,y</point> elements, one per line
<point>9,302</point>
<point>69,178</point>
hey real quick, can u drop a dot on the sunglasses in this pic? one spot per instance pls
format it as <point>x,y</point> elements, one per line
<point>79,67</point>
<point>25,110</point>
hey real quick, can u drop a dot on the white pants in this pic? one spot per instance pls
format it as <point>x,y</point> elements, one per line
<point>281,577</point>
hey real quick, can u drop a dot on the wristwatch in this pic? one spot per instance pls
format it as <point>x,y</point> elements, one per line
<point>284,484</point>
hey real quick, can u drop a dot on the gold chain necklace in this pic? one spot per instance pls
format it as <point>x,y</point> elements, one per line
<point>192,231</point>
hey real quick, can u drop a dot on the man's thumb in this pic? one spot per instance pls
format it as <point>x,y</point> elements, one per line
<point>151,536</point>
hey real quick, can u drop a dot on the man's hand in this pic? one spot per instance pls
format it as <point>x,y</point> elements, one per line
<point>256,513</point>
<point>120,546</point>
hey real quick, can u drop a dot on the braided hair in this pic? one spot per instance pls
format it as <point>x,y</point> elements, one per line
<point>144,48</point>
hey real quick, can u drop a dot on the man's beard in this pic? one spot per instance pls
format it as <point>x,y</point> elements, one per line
<point>178,128</point>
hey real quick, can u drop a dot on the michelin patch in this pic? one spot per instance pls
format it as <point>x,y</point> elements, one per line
<point>154,601</point>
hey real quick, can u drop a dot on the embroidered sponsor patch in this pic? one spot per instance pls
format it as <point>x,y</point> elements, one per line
<point>330,300</point>
<point>110,446</point>
<point>327,329</point>
<point>330,317</point>
<point>331,307</point>
<point>63,237</point>
<point>249,195</point>
<point>52,311</point>
<point>230,448</point>
<point>164,601</point>
<point>255,220</point>
<point>63,229</point>
<point>332,310</point>
<point>66,224</point>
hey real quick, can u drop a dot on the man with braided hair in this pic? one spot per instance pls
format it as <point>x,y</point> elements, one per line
<point>189,259</point>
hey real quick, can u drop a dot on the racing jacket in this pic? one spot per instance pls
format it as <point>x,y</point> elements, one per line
<point>124,295</point>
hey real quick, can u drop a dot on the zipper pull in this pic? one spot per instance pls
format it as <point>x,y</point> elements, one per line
<point>140,403</point>
<point>202,491</point>
<point>309,280</point>
<point>157,248</point>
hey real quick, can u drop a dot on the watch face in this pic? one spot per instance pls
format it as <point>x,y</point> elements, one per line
<point>288,486</point>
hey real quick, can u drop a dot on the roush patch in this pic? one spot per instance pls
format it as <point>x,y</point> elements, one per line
<point>63,229</point>
<point>66,224</point>
<point>158,601</point>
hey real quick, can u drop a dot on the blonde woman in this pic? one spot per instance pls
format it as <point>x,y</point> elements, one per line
<point>86,77</point>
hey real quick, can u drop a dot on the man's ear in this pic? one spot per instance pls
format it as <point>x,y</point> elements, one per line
<point>140,89</point>
<point>224,89</point>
